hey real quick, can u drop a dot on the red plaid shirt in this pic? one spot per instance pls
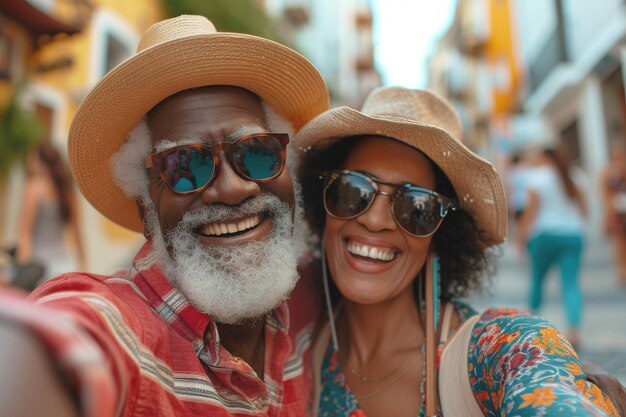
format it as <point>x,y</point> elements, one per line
<point>158,360</point>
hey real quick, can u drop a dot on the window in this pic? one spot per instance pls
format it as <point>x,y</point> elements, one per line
<point>116,52</point>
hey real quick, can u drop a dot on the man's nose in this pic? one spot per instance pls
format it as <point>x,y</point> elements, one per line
<point>229,187</point>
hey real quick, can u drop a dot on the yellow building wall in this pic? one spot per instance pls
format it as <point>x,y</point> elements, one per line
<point>138,14</point>
<point>501,52</point>
<point>24,44</point>
<point>63,47</point>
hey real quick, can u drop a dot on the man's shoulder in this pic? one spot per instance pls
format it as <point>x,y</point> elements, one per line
<point>111,298</point>
<point>81,283</point>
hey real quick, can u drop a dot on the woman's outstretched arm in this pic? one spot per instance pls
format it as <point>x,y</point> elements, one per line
<point>520,365</point>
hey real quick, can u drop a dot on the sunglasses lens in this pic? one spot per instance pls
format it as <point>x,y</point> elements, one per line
<point>259,157</point>
<point>348,196</point>
<point>187,169</point>
<point>417,212</point>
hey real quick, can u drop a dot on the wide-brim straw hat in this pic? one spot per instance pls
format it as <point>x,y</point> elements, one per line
<point>428,123</point>
<point>175,55</point>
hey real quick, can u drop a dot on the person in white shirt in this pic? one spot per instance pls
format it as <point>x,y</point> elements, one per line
<point>552,230</point>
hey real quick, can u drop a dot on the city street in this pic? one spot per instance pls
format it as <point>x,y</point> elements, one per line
<point>604,317</point>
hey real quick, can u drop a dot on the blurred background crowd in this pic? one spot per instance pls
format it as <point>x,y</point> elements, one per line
<point>522,74</point>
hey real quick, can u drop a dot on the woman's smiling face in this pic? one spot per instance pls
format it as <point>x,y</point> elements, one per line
<point>362,279</point>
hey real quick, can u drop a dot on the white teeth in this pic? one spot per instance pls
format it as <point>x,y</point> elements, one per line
<point>381,254</point>
<point>217,229</point>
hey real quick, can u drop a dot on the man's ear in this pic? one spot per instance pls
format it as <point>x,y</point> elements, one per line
<point>141,208</point>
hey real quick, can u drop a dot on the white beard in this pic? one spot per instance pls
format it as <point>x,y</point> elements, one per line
<point>234,283</point>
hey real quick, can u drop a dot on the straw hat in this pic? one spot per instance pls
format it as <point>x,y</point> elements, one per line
<point>425,121</point>
<point>175,55</point>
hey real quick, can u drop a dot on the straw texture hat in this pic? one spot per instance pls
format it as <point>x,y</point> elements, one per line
<point>175,55</point>
<point>425,121</point>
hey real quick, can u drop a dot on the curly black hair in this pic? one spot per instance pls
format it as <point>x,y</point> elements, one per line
<point>465,264</point>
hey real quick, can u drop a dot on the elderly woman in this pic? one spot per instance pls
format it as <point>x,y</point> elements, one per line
<point>407,214</point>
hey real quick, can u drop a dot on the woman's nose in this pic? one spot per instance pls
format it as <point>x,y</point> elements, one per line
<point>378,217</point>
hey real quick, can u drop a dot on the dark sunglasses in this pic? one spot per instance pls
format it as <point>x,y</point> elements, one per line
<point>418,211</point>
<point>185,169</point>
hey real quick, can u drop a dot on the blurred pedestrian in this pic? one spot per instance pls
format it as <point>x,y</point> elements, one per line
<point>552,230</point>
<point>613,188</point>
<point>49,210</point>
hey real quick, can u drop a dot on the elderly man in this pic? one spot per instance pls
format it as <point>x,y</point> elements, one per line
<point>185,142</point>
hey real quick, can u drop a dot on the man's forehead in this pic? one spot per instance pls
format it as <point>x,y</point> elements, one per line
<point>222,90</point>
<point>207,114</point>
<point>239,132</point>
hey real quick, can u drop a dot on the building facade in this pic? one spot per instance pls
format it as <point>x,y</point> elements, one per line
<point>337,37</point>
<point>574,53</point>
<point>560,68</point>
<point>476,66</point>
<point>57,50</point>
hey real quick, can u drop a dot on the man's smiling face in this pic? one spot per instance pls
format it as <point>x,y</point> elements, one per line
<point>209,115</point>
<point>249,266</point>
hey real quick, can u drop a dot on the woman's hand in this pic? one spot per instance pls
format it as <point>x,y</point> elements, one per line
<point>609,385</point>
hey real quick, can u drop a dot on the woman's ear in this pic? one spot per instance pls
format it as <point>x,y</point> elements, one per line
<point>141,208</point>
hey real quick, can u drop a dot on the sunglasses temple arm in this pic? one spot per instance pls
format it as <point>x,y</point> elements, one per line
<point>329,307</point>
<point>446,208</point>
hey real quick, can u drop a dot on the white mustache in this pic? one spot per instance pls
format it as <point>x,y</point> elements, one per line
<point>222,213</point>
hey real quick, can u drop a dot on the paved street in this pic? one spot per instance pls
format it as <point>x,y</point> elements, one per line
<point>604,317</point>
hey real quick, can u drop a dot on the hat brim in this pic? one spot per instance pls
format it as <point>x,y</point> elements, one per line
<point>478,186</point>
<point>280,76</point>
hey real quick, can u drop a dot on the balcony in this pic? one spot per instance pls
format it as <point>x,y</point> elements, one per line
<point>472,28</point>
<point>549,57</point>
<point>297,15</point>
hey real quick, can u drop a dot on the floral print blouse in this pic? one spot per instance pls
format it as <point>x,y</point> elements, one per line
<point>519,366</point>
